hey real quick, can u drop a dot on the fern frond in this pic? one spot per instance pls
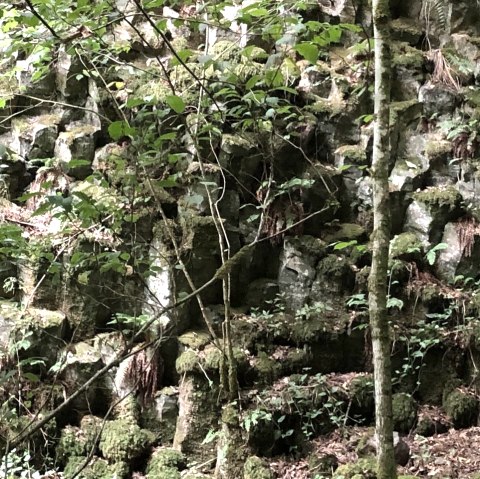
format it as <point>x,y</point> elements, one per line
<point>440,7</point>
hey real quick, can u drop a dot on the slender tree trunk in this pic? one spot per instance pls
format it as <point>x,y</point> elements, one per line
<point>381,239</point>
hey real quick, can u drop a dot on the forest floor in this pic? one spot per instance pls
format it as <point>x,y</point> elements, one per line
<point>451,455</point>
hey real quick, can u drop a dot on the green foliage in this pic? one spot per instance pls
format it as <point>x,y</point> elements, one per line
<point>306,401</point>
<point>432,252</point>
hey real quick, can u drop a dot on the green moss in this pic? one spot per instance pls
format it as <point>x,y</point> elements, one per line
<point>295,360</point>
<point>212,358</point>
<point>123,440</point>
<point>364,468</point>
<point>96,469</point>
<point>187,362</point>
<point>256,468</point>
<point>360,391</point>
<point>405,243</point>
<point>78,441</point>
<point>344,231</point>
<point>438,149</point>
<point>404,409</point>
<point>323,464</point>
<point>166,457</point>
<point>195,339</point>
<point>352,154</point>
<point>407,111</point>
<point>439,196</point>
<point>165,473</point>
<point>472,96</point>
<point>405,29</point>
<point>406,56</point>
<point>323,105</point>
<point>267,369</point>
<point>462,408</point>
<point>165,464</point>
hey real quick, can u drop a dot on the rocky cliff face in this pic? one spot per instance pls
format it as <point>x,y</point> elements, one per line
<point>116,186</point>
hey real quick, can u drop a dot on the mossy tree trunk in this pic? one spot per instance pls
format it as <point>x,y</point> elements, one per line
<point>381,239</point>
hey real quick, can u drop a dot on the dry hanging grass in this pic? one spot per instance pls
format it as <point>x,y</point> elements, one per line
<point>443,73</point>
<point>141,372</point>
<point>466,230</point>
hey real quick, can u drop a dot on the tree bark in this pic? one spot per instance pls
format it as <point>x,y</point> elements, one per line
<point>381,238</point>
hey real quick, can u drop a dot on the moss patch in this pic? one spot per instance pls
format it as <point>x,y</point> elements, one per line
<point>438,149</point>
<point>404,409</point>
<point>256,468</point>
<point>96,469</point>
<point>462,408</point>
<point>78,441</point>
<point>439,196</point>
<point>364,468</point>
<point>166,463</point>
<point>195,339</point>
<point>403,244</point>
<point>123,440</point>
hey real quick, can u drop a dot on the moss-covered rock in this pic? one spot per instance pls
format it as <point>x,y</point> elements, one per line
<point>96,468</point>
<point>167,457</point>
<point>438,149</point>
<point>404,409</point>
<point>406,30</point>
<point>256,468</point>
<point>267,369</point>
<point>195,339</point>
<point>78,441</point>
<point>360,392</point>
<point>404,244</point>
<point>440,196</point>
<point>322,465</point>
<point>364,468</point>
<point>462,408</point>
<point>344,232</point>
<point>165,463</point>
<point>187,362</point>
<point>403,55</point>
<point>196,475</point>
<point>123,440</point>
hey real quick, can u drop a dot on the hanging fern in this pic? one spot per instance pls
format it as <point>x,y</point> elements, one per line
<point>440,8</point>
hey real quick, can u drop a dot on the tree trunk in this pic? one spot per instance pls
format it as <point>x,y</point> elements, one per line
<point>381,239</point>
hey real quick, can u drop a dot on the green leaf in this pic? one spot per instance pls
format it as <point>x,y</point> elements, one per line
<point>344,244</point>
<point>133,102</point>
<point>252,82</point>
<point>119,129</point>
<point>168,136</point>
<point>175,103</point>
<point>31,377</point>
<point>167,183</point>
<point>77,163</point>
<point>308,51</point>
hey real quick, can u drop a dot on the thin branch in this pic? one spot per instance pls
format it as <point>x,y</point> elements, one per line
<point>42,20</point>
